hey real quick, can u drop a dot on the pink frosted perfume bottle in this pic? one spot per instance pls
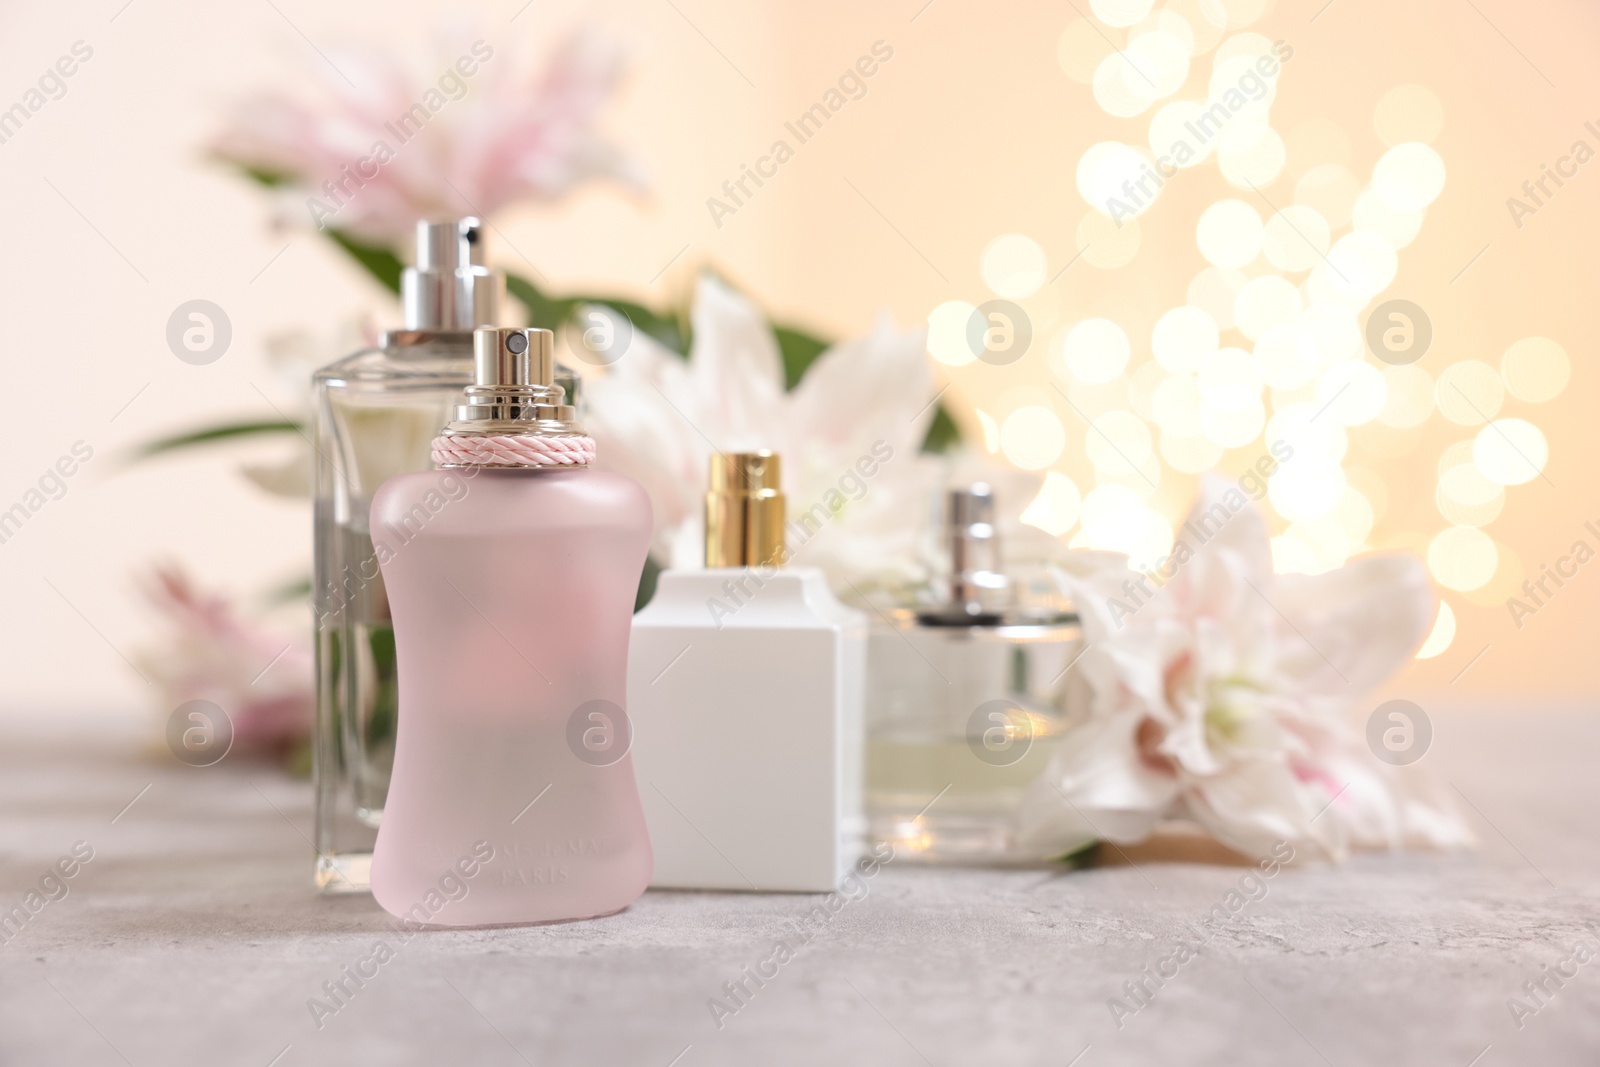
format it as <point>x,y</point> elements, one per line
<point>511,572</point>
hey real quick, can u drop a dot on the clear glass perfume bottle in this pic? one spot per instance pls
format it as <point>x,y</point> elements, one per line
<point>966,699</point>
<point>511,571</point>
<point>376,412</point>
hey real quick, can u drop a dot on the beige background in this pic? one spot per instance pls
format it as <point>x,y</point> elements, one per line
<point>971,131</point>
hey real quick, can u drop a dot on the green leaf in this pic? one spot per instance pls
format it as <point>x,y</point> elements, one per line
<point>380,723</point>
<point>287,592</point>
<point>297,761</point>
<point>799,350</point>
<point>943,433</point>
<point>551,313</point>
<point>647,583</point>
<point>1079,858</point>
<point>378,261</point>
<point>212,434</point>
<point>543,311</point>
<point>272,179</point>
<point>665,329</point>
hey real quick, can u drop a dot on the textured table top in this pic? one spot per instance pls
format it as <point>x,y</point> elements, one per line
<point>192,936</point>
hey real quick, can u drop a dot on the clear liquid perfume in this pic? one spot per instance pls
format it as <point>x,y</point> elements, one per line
<point>745,685</point>
<point>966,699</point>
<point>511,572</point>
<point>376,413</point>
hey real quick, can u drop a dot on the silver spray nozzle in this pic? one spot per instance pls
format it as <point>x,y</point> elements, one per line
<point>979,591</point>
<point>514,386</point>
<point>451,288</point>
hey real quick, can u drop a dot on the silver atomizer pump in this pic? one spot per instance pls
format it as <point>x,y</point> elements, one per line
<point>451,289</point>
<point>978,592</point>
<point>514,389</point>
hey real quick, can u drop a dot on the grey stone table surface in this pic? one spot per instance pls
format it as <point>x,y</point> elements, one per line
<point>192,937</point>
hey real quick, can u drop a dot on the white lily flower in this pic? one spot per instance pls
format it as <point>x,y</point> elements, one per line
<point>1222,695</point>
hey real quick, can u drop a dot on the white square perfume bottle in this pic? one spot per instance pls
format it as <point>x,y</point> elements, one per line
<point>745,691</point>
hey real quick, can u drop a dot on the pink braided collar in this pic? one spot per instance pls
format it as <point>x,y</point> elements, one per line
<point>520,450</point>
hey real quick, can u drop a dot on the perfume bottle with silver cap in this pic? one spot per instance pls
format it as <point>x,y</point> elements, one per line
<point>511,572</point>
<point>376,412</point>
<point>967,694</point>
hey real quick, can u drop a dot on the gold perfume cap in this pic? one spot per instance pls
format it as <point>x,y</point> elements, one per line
<point>744,510</point>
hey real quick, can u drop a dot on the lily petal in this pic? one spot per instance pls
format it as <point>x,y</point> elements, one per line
<point>735,371</point>
<point>1358,624</point>
<point>1095,788</point>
